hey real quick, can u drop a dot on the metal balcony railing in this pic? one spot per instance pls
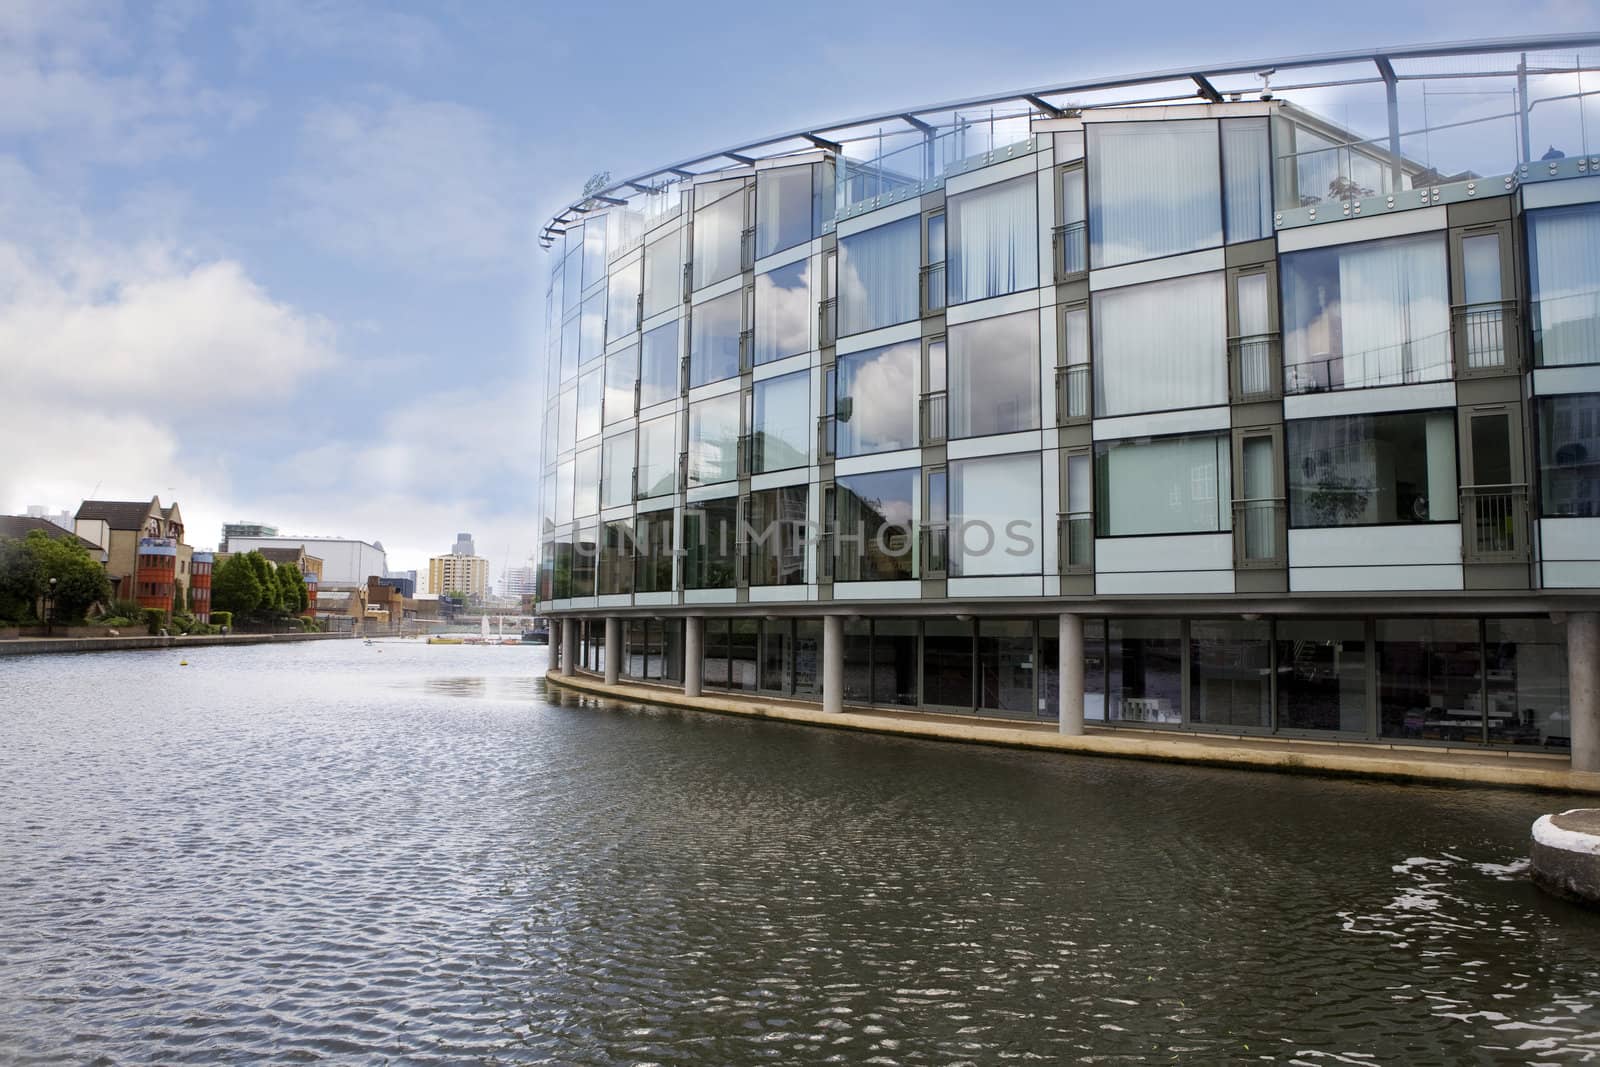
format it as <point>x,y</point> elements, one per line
<point>688,281</point>
<point>828,322</point>
<point>1072,394</point>
<point>1075,542</point>
<point>1485,338</point>
<point>825,556</point>
<point>935,417</point>
<point>1259,534</point>
<point>747,249</point>
<point>1071,250</point>
<point>1254,366</point>
<point>747,350</point>
<point>935,550</point>
<point>826,431</point>
<point>1494,523</point>
<point>932,288</point>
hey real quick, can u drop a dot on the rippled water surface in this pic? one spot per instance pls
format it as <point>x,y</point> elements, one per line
<point>411,853</point>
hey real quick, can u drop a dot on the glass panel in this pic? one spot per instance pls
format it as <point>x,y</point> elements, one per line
<point>994,242</point>
<point>622,302</point>
<point>653,649</point>
<point>873,526</point>
<point>947,663</point>
<point>1145,671</point>
<point>622,369</point>
<point>994,375</point>
<point>995,503</point>
<point>592,329</point>
<point>634,661</point>
<point>1247,173</point>
<point>663,273</point>
<point>1365,470</point>
<point>1005,666</point>
<point>877,406</point>
<point>1564,272</point>
<point>1480,268</point>
<point>1166,485</point>
<point>858,661</point>
<point>938,366</point>
<point>1230,673</point>
<point>1255,315</point>
<point>807,655</point>
<point>572,270</point>
<point>1153,190</point>
<point>894,662</point>
<point>1569,455</point>
<point>714,440</point>
<point>1161,346</point>
<point>1429,680</point>
<point>1080,514</point>
<point>1365,315</point>
<point>658,457</point>
<point>714,339</point>
<point>658,370</point>
<point>742,654</point>
<point>783,312</point>
<point>616,471</point>
<point>718,229</point>
<point>569,347</point>
<point>586,478</point>
<point>775,656</point>
<point>1526,671</point>
<point>585,554</point>
<point>1491,448</point>
<point>715,658</point>
<point>878,276</point>
<point>564,475</point>
<point>652,538</point>
<point>936,244</point>
<point>569,418</point>
<point>783,209</point>
<point>710,541</point>
<point>1260,511</point>
<point>1322,676</point>
<point>1094,670</point>
<point>616,558</point>
<point>672,650</point>
<point>591,394</point>
<point>594,253</point>
<point>781,424</point>
<point>777,536</point>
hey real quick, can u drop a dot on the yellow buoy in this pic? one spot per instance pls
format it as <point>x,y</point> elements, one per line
<point>183,663</point>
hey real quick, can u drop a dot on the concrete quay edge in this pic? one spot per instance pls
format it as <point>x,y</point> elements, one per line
<point>1434,766</point>
<point>29,646</point>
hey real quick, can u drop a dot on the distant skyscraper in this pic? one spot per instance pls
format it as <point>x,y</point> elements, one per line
<point>464,546</point>
<point>245,529</point>
<point>520,581</point>
<point>62,519</point>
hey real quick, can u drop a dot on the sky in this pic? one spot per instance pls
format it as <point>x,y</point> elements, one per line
<point>276,259</point>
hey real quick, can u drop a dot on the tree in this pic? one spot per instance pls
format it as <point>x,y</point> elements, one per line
<point>26,567</point>
<point>235,587</point>
<point>292,589</point>
<point>20,579</point>
<point>271,595</point>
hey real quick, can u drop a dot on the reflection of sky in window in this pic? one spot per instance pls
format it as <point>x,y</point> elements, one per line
<point>880,386</point>
<point>783,311</point>
<point>884,494</point>
<point>713,438</point>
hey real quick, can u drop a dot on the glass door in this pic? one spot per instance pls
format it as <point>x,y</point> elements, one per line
<point>1259,532</point>
<point>1494,492</point>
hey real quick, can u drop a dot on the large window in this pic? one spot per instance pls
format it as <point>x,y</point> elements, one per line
<point>947,652</point>
<point>710,544</point>
<point>591,394</point>
<point>781,428</point>
<point>658,456</point>
<point>872,526</point>
<point>1569,455</point>
<point>1006,666</point>
<point>592,329</point>
<point>1322,675</point>
<point>718,230</point>
<point>658,368</point>
<point>777,539</point>
<point>878,276</point>
<point>1161,346</point>
<point>994,240</point>
<point>594,253</point>
<point>1246,178</point>
<point>994,375</point>
<point>616,470</point>
<point>1230,673</point>
<point>622,302</point>
<point>994,507</point>
<point>786,209</point>
<point>1429,680</point>
<point>663,273</point>
<point>1367,314</point>
<point>622,369</point>
<point>1154,190</point>
<point>877,401</point>
<point>1163,485</point>
<point>1367,470</point>
<point>714,440</point>
<point>652,541</point>
<point>1564,270</point>
<point>586,483</point>
<point>783,312</point>
<point>616,558</point>
<point>1144,671</point>
<point>714,339</point>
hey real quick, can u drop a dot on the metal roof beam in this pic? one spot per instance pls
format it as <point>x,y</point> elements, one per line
<point>1386,69</point>
<point>609,200</point>
<point>915,123</point>
<point>1207,90</point>
<point>823,142</point>
<point>1044,105</point>
<point>737,158</point>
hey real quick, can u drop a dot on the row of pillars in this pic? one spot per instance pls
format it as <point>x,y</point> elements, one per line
<point>1583,668</point>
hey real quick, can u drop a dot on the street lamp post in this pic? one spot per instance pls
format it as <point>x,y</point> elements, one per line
<point>50,610</point>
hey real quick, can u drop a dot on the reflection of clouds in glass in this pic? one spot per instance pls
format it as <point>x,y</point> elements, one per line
<point>783,311</point>
<point>878,391</point>
<point>713,439</point>
<point>783,419</point>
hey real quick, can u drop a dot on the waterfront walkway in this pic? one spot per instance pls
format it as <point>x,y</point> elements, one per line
<point>27,646</point>
<point>1502,768</point>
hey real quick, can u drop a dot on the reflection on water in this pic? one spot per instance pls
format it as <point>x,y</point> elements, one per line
<point>344,851</point>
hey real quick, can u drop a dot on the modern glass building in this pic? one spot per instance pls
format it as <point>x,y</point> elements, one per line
<point>1161,402</point>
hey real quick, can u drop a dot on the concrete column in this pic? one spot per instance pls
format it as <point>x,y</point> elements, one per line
<point>1583,688</point>
<point>613,649</point>
<point>569,647</point>
<point>694,654</point>
<point>1071,679</point>
<point>833,663</point>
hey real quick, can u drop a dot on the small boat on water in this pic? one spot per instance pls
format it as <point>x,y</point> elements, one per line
<point>440,639</point>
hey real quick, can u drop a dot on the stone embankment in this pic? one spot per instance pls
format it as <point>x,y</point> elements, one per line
<point>27,646</point>
<point>1566,855</point>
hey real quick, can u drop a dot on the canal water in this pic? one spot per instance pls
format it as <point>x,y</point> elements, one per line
<point>414,853</point>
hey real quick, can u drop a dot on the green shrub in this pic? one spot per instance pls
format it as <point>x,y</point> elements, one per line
<point>155,620</point>
<point>113,620</point>
<point>220,619</point>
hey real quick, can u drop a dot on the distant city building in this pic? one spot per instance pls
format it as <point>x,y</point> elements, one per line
<point>464,546</point>
<point>62,519</point>
<point>520,581</point>
<point>146,557</point>
<point>345,562</point>
<point>402,585</point>
<point>411,574</point>
<point>244,529</point>
<point>458,574</point>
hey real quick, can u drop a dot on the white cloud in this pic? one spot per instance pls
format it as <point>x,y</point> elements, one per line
<point>339,27</point>
<point>415,184</point>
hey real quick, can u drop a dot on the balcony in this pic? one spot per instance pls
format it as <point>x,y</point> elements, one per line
<point>1260,536</point>
<point>1253,364</point>
<point>932,285</point>
<point>935,550</point>
<point>1075,542</point>
<point>1071,247</point>
<point>1494,523</point>
<point>828,322</point>
<point>1485,338</point>
<point>1072,395</point>
<point>935,418</point>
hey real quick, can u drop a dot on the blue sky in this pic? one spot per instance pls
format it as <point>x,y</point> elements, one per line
<point>277,258</point>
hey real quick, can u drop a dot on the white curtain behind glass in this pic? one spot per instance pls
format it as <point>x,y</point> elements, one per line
<point>878,276</point>
<point>1394,312</point>
<point>986,495</point>
<point>993,247</point>
<point>1566,265</point>
<point>783,421</point>
<point>718,229</point>
<point>1161,346</point>
<point>1247,178</point>
<point>1170,485</point>
<point>1153,190</point>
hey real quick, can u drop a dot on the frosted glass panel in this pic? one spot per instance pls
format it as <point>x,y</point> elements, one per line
<point>1161,346</point>
<point>995,508</point>
<point>1153,190</point>
<point>1164,485</point>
